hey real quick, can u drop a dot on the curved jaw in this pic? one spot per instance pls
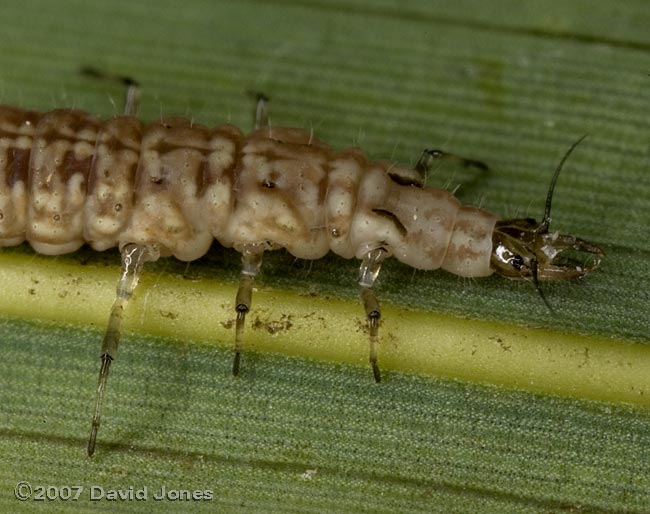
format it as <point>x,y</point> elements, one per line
<point>524,249</point>
<point>555,268</point>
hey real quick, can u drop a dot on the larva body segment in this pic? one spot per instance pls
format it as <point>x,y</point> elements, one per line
<point>420,226</point>
<point>109,202</point>
<point>280,191</point>
<point>59,165</point>
<point>16,140</point>
<point>68,178</point>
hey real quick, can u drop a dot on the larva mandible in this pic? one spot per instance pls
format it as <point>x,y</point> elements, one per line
<point>171,187</point>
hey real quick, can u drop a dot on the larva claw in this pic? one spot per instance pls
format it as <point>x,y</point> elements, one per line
<point>428,156</point>
<point>375,372</point>
<point>239,331</point>
<point>373,327</point>
<point>235,364</point>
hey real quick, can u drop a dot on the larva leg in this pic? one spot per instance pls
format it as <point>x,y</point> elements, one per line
<point>428,156</point>
<point>132,100</point>
<point>368,272</point>
<point>251,264</point>
<point>133,258</point>
<point>132,96</point>
<point>261,111</point>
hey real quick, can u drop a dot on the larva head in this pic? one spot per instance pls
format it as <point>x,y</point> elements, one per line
<point>524,249</point>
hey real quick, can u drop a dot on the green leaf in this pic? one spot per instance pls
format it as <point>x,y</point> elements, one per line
<point>298,435</point>
<point>459,424</point>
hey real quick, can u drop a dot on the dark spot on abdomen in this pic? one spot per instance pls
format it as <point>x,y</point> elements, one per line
<point>390,216</point>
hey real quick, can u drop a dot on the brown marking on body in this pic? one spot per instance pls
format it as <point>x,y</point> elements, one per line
<point>403,180</point>
<point>66,125</point>
<point>472,228</point>
<point>462,252</point>
<point>207,176</point>
<point>17,122</point>
<point>393,218</point>
<point>71,166</point>
<point>17,166</point>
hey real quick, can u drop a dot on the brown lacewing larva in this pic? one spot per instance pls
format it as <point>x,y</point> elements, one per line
<point>171,187</point>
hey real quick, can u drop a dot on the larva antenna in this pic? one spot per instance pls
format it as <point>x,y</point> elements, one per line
<point>546,220</point>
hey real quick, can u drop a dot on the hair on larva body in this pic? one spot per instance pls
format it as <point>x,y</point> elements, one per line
<point>67,179</point>
<point>170,187</point>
